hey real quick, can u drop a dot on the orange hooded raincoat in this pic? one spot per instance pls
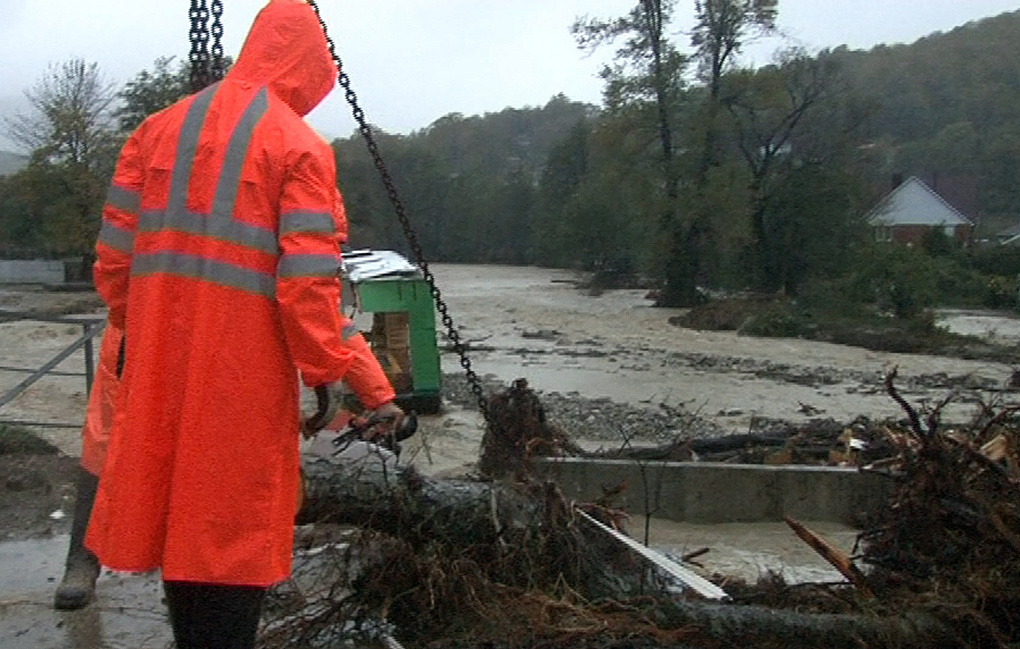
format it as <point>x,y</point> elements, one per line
<point>218,255</point>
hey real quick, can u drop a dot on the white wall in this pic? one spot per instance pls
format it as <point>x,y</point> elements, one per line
<point>31,271</point>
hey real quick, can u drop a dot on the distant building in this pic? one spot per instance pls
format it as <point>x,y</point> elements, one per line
<point>912,209</point>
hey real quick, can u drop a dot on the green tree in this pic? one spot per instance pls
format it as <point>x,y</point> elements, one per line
<point>721,30</point>
<point>648,69</point>
<point>152,91</point>
<point>767,107</point>
<point>563,174</point>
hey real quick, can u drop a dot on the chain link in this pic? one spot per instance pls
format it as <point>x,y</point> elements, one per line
<point>199,36</point>
<point>412,238</point>
<point>218,67</point>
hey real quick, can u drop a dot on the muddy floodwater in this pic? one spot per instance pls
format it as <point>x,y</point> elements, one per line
<point>536,324</point>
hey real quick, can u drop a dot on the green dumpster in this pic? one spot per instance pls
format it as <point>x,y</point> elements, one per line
<point>403,330</point>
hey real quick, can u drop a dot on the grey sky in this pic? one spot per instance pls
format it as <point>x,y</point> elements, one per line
<point>412,61</point>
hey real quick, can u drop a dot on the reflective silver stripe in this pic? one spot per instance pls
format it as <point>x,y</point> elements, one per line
<point>217,272</point>
<point>226,229</point>
<point>187,145</point>
<point>237,150</point>
<point>349,331</point>
<point>221,224</point>
<point>306,221</point>
<point>117,238</point>
<point>308,266</point>
<point>123,199</point>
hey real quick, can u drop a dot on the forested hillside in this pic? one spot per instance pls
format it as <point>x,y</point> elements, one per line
<point>470,183</point>
<point>11,162</point>
<point>950,104</point>
<point>808,145</point>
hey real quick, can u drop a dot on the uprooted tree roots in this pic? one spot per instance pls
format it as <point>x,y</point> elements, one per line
<point>457,564</point>
<point>519,432</point>
<point>950,537</point>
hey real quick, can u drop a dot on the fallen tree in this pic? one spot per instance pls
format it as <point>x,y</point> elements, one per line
<point>463,564</point>
<point>437,558</point>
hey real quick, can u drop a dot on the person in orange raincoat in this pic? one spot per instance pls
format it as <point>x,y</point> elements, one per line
<point>218,255</point>
<point>82,568</point>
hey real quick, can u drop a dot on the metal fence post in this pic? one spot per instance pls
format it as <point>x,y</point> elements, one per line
<point>90,369</point>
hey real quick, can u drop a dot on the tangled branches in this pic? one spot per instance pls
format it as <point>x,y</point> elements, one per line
<point>952,529</point>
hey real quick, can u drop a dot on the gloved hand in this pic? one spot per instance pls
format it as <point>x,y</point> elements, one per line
<point>389,417</point>
<point>330,398</point>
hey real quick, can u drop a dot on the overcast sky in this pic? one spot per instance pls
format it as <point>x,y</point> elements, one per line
<point>412,61</point>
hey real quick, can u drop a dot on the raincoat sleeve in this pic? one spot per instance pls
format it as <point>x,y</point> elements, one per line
<point>366,377</point>
<point>312,225</point>
<point>112,270</point>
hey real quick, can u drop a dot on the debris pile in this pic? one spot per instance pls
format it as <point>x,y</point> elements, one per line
<point>950,538</point>
<point>511,564</point>
<point>822,442</point>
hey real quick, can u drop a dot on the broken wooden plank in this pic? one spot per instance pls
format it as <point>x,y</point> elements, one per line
<point>836,557</point>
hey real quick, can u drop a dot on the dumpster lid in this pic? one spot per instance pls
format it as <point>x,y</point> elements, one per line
<point>364,265</point>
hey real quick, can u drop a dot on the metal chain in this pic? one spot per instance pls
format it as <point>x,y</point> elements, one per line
<point>412,238</point>
<point>218,67</point>
<point>199,36</point>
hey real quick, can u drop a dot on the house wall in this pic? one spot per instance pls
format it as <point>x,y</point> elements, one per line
<point>915,233</point>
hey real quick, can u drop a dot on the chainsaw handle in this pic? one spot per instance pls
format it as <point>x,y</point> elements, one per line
<point>315,423</point>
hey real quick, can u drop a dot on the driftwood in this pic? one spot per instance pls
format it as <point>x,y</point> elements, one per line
<point>819,442</point>
<point>511,565</point>
<point>756,626</point>
<point>370,489</point>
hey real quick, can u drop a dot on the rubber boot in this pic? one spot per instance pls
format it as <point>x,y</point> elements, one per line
<point>82,568</point>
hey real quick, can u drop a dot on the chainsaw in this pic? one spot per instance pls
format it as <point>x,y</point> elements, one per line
<point>366,429</point>
<point>354,428</point>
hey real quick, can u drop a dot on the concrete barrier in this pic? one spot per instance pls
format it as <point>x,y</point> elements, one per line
<point>33,271</point>
<point>710,492</point>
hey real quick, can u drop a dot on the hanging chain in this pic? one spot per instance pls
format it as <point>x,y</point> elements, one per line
<point>199,36</point>
<point>412,239</point>
<point>218,67</point>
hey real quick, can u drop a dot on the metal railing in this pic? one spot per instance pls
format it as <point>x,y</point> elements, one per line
<point>92,326</point>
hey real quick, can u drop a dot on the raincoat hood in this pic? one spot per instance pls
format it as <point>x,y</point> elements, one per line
<point>286,50</point>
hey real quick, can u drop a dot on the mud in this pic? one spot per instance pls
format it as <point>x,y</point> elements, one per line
<point>128,612</point>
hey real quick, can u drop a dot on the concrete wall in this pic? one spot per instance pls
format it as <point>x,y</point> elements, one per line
<point>38,271</point>
<point>709,492</point>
